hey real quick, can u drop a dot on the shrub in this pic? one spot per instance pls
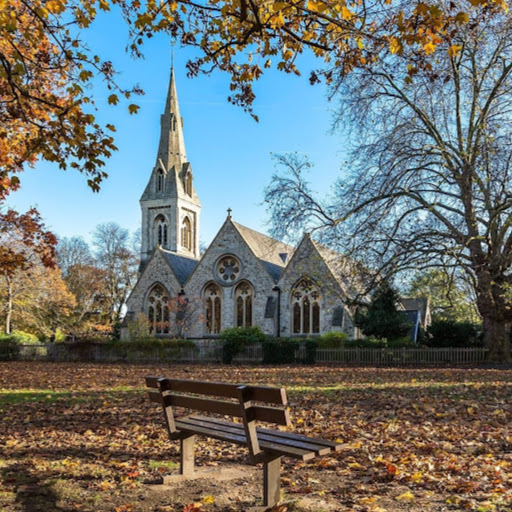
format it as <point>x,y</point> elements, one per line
<point>139,327</point>
<point>20,337</point>
<point>369,342</point>
<point>235,338</point>
<point>449,333</point>
<point>333,339</point>
<point>311,346</point>
<point>404,341</point>
<point>279,351</point>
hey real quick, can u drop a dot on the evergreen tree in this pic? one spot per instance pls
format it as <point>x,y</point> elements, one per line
<point>383,319</point>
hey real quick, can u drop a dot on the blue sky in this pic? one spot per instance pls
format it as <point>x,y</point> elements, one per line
<point>230,153</point>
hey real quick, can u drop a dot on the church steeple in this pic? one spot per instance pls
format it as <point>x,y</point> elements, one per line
<point>171,149</point>
<point>170,205</point>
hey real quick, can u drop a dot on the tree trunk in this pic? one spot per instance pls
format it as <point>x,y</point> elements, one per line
<point>8,317</point>
<point>497,339</point>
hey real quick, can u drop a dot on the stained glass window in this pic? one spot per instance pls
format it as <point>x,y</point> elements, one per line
<point>213,304</point>
<point>158,310</point>
<point>243,300</point>
<point>305,303</point>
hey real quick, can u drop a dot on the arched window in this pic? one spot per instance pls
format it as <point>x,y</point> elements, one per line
<point>158,310</point>
<point>161,232</point>
<point>186,234</point>
<point>212,300</point>
<point>305,306</point>
<point>243,303</point>
<point>188,183</point>
<point>159,180</point>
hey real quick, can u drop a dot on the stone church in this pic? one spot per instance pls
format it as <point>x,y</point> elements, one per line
<point>244,278</point>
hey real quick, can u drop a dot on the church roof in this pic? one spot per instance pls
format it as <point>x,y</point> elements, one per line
<point>419,304</point>
<point>274,254</point>
<point>181,265</point>
<point>346,272</point>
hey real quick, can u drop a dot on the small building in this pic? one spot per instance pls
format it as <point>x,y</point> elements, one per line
<point>418,313</point>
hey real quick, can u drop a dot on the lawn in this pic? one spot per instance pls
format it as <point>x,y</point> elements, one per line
<point>83,437</point>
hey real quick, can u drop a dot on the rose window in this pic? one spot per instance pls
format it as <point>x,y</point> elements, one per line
<point>228,269</point>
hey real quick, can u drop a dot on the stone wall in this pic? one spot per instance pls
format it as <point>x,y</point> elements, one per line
<point>229,242</point>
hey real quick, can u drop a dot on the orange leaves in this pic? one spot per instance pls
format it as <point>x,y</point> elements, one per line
<point>192,507</point>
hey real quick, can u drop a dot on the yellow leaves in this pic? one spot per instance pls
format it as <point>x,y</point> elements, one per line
<point>417,477</point>
<point>133,109</point>
<point>346,13</point>
<point>406,497</point>
<point>429,48</point>
<point>462,17</point>
<point>106,485</point>
<point>395,45</point>
<point>85,75</point>
<point>208,499</point>
<point>278,20</point>
<point>454,50</point>
<point>317,6</point>
<point>56,6</point>
<point>113,99</point>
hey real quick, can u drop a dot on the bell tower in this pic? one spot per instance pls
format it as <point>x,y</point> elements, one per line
<point>170,206</point>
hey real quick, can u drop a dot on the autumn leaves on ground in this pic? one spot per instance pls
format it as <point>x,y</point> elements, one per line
<point>79,437</point>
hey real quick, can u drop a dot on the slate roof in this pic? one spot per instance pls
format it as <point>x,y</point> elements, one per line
<point>345,271</point>
<point>181,265</point>
<point>416,304</point>
<point>274,254</point>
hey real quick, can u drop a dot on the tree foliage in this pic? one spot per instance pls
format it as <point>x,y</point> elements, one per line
<point>25,244</point>
<point>118,263</point>
<point>48,72</point>
<point>382,319</point>
<point>451,297</point>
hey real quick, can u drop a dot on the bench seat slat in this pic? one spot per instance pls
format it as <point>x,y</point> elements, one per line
<point>266,394</point>
<point>262,436</point>
<point>215,434</point>
<point>290,451</point>
<point>291,435</point>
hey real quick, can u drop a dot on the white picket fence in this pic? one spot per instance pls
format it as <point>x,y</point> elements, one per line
<point>212,353</point>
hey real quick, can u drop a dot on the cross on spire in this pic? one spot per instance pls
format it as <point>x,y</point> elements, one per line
<point>229,213</point>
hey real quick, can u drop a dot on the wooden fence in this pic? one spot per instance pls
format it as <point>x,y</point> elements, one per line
<point>212,353</point>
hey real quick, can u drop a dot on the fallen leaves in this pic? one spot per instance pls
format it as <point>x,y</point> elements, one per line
<point>409,440</point>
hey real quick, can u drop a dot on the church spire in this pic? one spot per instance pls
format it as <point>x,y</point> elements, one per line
<point>171,149</point>
<point>170,205</point>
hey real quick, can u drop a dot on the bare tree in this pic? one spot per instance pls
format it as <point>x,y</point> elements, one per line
<point>116,258</point>
<point>430,180</point>
<point>73,251</point>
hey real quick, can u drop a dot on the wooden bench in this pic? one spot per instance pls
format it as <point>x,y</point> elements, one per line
<point>248,402</point>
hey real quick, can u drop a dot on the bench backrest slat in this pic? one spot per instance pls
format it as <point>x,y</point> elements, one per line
<point>265,394</point>
<point>183,393</point>
<point>260,413</point>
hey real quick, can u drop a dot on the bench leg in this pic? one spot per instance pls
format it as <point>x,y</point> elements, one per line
<point>271,481</point>
<point>187,455</point>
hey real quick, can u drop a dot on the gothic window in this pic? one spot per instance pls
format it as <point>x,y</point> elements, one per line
<point>212,301</point>
<point>161,231</point>
<point>228,269</point>
<point>158,310</point>
<point>159,180</point>
<point>186,234</point>
<point>243,304</point>
<point>188,183</point>
<point>305,305</point>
